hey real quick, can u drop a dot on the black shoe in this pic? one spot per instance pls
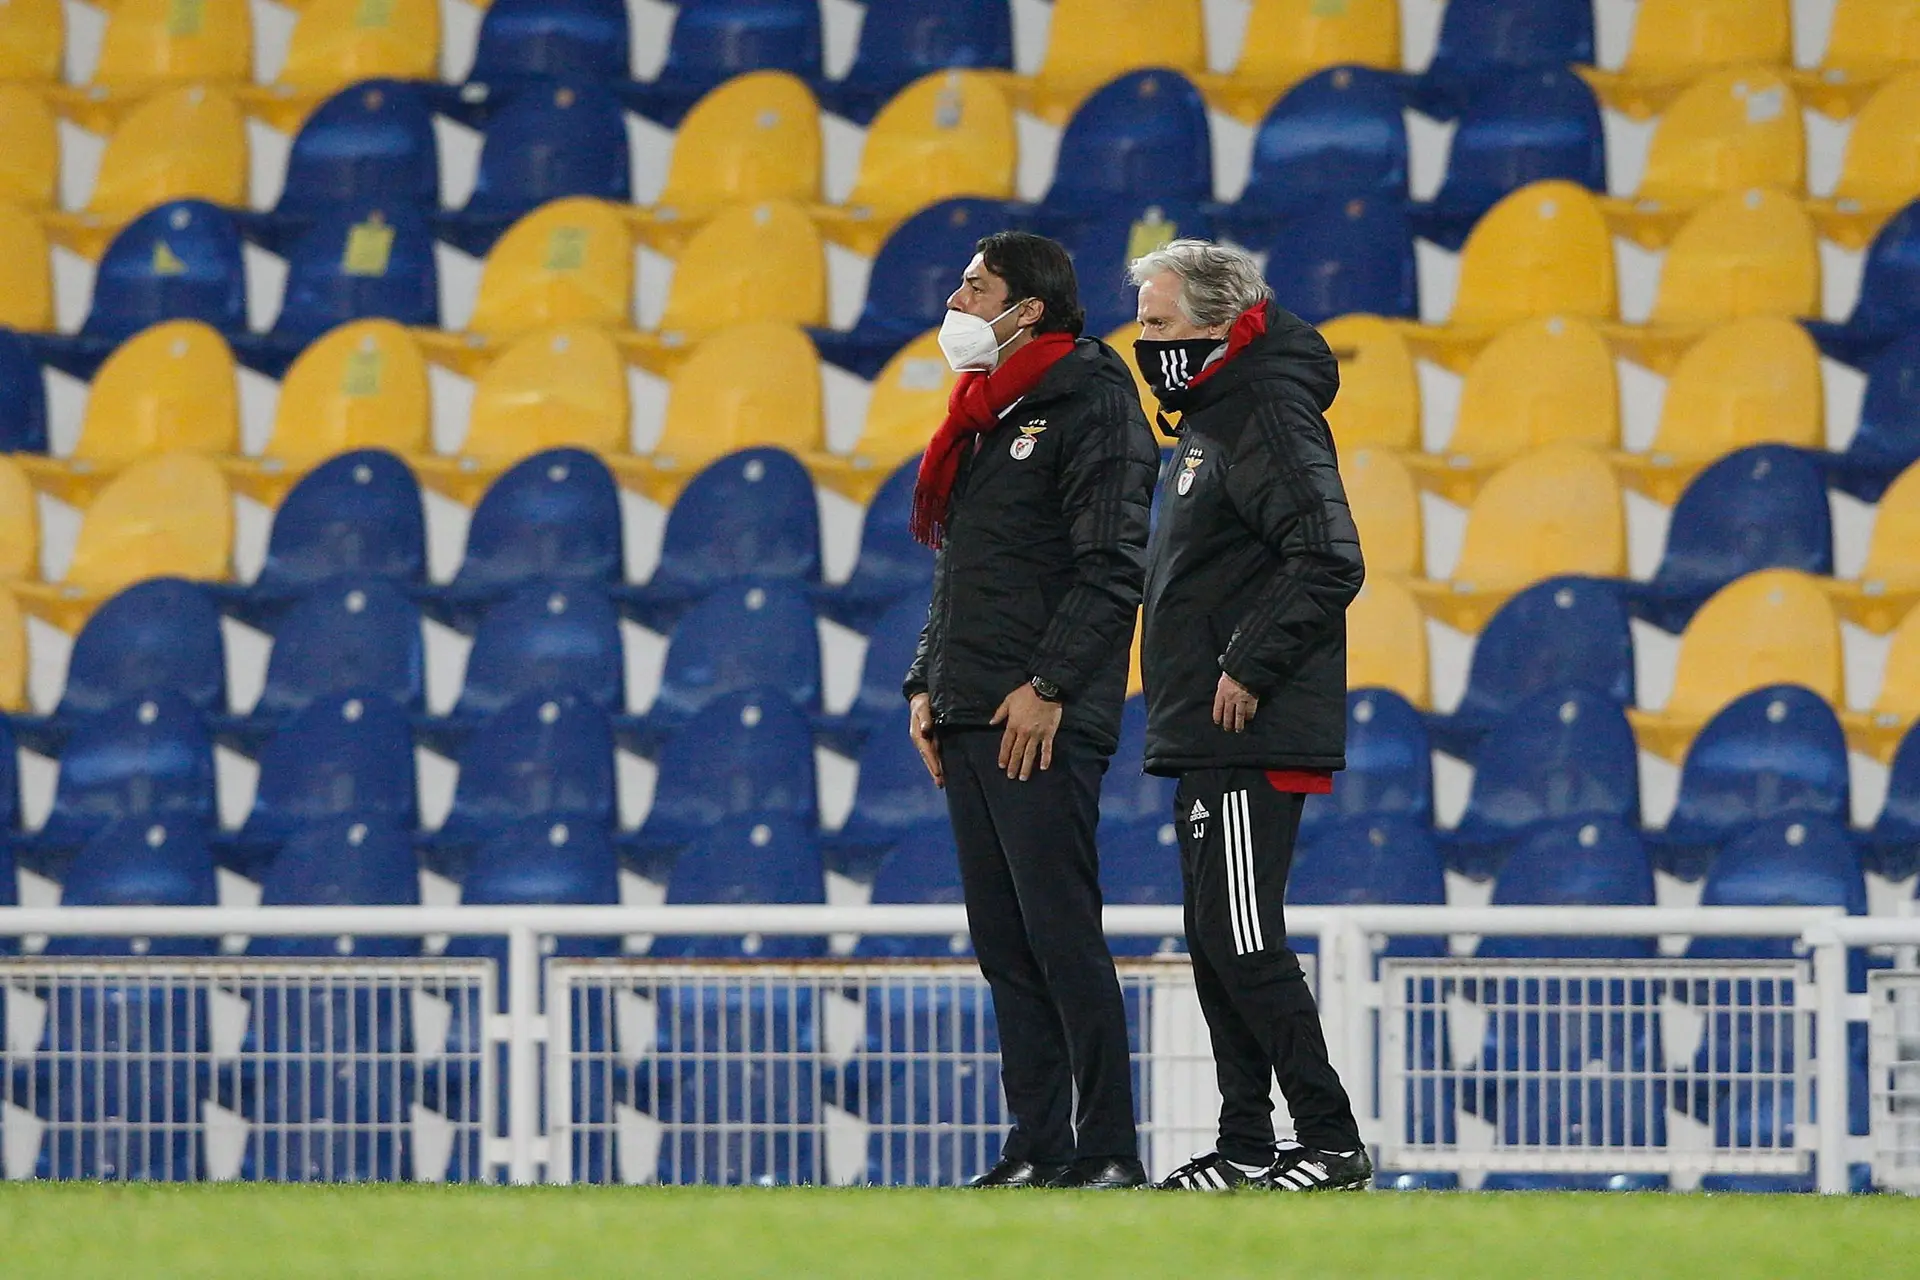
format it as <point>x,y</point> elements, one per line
<point>1101,1174</point>
<point>1019,1173</point>
<point>1209,1171</point>
<point>1303,1169</point>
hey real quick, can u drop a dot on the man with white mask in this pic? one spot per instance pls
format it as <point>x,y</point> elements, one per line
<point>1034,493</point>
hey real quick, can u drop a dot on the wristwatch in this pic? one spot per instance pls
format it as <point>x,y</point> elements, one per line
<point>1047,689</point>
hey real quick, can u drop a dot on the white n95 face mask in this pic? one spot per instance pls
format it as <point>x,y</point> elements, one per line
<point>968,341</point>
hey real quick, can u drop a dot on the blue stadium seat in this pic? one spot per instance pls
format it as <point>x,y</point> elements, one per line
<point>1140,866</point>
<point>740,638</point>
<point>346,755</point>
<point>1389,771</point>
<point>350,264</point>
<point>906,39</point>
<point>144,760</point>
<point>144,862</point>
<point>1528,126</point>
<point>544,143</point>
<point>1130,793</point>
<point>1892,845</point>
<point>1804,861</point>
<point>1348,256</point>
<point>349,635</point>
<point>1760,508</point>
<point>1888,307</point>
<point>748,517</point>
<point>545,638</point>
<point>358,514</point>
<point>894,795</point>
<point>743,754</point>
<point>553,517</point>
<point>892,567</point>
<point>765,858</point>
<point>545,756</point>
<point>922,868</point>
<point>23,403</point>
<point>1563,754</point>
<point>715,40</point>
<point>917,269</point>
<point>162,635</point>
<point>1378,860</point>
<point>537,42</point>
<point>1140,139</point>
<point>369,146</point>
<point>540,861</point>
<point>1597,863</point>
<point>1484,45</point>
<point>1555,634</point>
<point>353,860</point>
<point>9,797</point>
<point>1772,753</point>
<point>891,645</point>
<point>1104,242</point>
<point>1336,136</point>
<point>1887,441</point>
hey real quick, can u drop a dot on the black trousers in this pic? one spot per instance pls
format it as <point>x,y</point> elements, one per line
<point>1236,847</point>
<point>1030,870</point>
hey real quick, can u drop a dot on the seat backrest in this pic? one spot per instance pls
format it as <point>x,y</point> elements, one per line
<point>1772,627</point>
<point>568,260</point>
<point>1592,863</point>
<point>1773,751</point>
<point>1748,253</point>
<point>1752,380</point>
<point>1889,302</point>
<point>552,39</point>
<point>1548,380</point>
<point>33,40</point>
<point>766,858</point>
<point>1788,862</point>
<point>1764,507</point>
<point>1900,816</point>
<point>751,514</point>
<point>1564,632</point>
<point>140,862</point>
<point>1368,860</point>
<point>903,41</point>
<point>1483,42</point>
<point>1387,641</point>
<point>358,860</point>
<point>1557,510</point>
<point>1139,861</point>
<point>1543,250</point>
<point>1533,124</point>
<point>170,516</point>
<point>180,260</point>
<point>357,263</point>
<point>540,861</point>
<point>719,403</point>
<point>1337,135</point>
<point>23,402</point>
<point>344,754</point>
<point>1141,137</point>
<point>13,694</point>
<point>922,868</point>
<point>1102,246</point>
<point>561,387</point>
<point>26,271</point>
<point>1386,507</point>
<point>1562,753</point>
<point>758,262</point>
<point>357,513</point>
<point>556,515</point>
<point>715,40</point>
<point>1730,130</point>
<point>743,637</point>
<point>1379,401</point>
<point>1874,31</point>
<point>1389,769</point>
<point>910,391</point>
<point>754,137</point>
<point>552,637</point>
<point>1881,163</point>
<point>360,634</point>
<point>181,143</point>
<point>746,753</point>
<point>362,385</point>
<point>19,523</point>
<point>947,134</point>
<point>1106,37</point>
<point>1893,550</point>
<point>542,754</point>
<point>887,550</point>
<point>146,757</point>
<point>174,386</point>
<point>894,791</point>
<point>1900,689</point>
<point>29,143</point>
<point>890,649</point>
<point>1347,256</point>
<point>1680,37</point>
<point>371,145</point>
<point>9,781</point>
<point>914,272</point>
<point>1129,794</point>
<point>341,41</point>
<point>1889,431</point>
<point>150,42</point>
<point>155,636</point>
<point>550,142</point>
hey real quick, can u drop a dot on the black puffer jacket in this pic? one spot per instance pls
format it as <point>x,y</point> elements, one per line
<point>1044,551</point>
<point>1252,565</point>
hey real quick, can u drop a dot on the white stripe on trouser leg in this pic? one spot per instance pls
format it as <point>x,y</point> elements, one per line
<point>1251,881</point>
<point>1232,867</point>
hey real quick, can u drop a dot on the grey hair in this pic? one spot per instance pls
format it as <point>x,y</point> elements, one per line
<point>1217,281</point>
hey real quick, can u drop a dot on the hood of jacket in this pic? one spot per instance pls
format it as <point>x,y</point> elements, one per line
<point>1291,349</point>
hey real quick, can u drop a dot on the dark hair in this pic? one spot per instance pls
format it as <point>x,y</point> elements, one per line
<point>1036,267</point>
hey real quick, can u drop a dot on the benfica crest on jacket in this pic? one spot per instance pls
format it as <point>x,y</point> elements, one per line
<point>1188,465</point>
<point>1022,448</point>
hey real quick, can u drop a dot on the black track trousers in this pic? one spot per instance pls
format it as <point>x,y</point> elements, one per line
<point>1236,846</point>
<point>1031,874</point>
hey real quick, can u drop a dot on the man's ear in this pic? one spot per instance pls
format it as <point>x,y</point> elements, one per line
<point>1031,312</point>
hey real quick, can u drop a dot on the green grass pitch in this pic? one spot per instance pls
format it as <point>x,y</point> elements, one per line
<point>78,1231</point>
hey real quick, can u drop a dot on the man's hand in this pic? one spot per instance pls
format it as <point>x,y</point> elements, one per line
<point>1031,721</point>
<point>920,728</point>
<point>1233,705</point>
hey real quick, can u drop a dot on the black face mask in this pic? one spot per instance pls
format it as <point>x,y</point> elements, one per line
<point>1168,366</point>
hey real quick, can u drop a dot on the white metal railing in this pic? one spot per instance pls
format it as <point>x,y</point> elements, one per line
<point>526,1030</point>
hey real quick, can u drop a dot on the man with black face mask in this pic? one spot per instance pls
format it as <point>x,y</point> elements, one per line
<point>1249,574</point>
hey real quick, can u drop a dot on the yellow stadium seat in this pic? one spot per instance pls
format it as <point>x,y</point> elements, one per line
<point>1751,381</point>
<point>29,147</point>
<point>561,386</point>
<point>1387,641</point>
<point>336,43</point>
<point>1880,168</point>
<point>26,271</point>
<point>362,385</point>
<point>1888,587</point>
<point>1731,130</point>
<point>755,137</point>
<point>756,383</point>
<point>569,260</point>
<point>753,262</point>
<point>1556,510</point>
<point>1674,41</point>
<point>1772,627</point>
<point>1544,250</point>
<point>1748,253</point>
<point>149,44</point>
<point>1136,677</point>
<point>1386,509</point>
<point>1289,40</point>
<point>1877,731</point>
<point>171,387</point>
<point>19,523</point>
<point>33,40</point>
<point>1541,382</point>
<point>1379,400</point>
<point>1870,42</point>
<point>179,143</point>
<point>909,401</point>
<point>945,135</point>
<point>1092,41</point>
<point>166,517</point>
<point>13,654</point>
